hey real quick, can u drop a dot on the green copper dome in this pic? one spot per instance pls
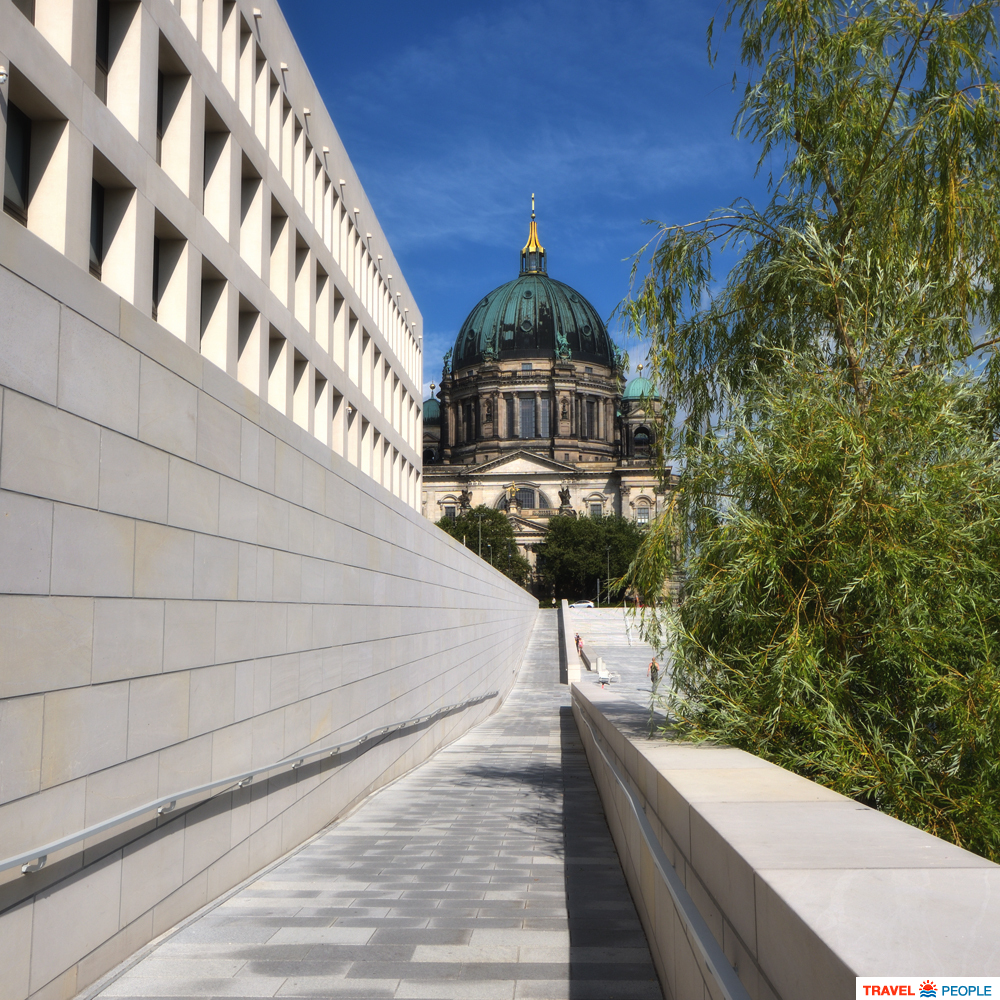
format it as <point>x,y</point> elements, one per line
<point>640,388</point>
<point>432,411</point>
<point>533,316</point>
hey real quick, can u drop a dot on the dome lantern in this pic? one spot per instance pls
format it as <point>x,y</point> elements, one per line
<point>533,253</point>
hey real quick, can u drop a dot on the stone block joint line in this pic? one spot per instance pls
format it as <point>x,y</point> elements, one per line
<point>713,957</point>
<point>34,860</point>
<point>487,872</point>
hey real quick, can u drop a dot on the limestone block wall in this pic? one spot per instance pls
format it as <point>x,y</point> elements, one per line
<point>179,154</point>
<point>802,888</point>
<point>192,584</point>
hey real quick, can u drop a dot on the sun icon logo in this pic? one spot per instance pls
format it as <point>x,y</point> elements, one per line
<point>928,989</point>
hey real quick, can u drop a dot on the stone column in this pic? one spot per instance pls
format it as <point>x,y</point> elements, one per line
<point>497,400</point>
<point>538,414</point>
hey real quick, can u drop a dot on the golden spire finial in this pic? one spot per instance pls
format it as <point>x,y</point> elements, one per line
<point>533,254</point>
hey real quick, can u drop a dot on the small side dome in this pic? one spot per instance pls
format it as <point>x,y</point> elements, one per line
<point>432,411</point>
<point>640,388</point>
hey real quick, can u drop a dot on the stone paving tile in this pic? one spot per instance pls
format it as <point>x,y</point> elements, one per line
<point>608,633</point>
<point>488,872</point>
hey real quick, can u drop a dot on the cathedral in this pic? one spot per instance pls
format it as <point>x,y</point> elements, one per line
<point>533,415</point>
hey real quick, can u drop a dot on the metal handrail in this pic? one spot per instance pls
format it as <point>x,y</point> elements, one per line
<point>698,931</point>
<point>34,860</point>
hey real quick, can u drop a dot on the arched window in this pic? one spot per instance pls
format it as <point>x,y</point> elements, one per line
<point>642,513</point>
<point>526,498</point>
<point>642,439</point>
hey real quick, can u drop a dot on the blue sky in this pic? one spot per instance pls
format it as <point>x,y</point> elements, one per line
<point>453,113</point>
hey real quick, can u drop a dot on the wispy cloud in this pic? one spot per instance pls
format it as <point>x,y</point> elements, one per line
<point>456,113</point>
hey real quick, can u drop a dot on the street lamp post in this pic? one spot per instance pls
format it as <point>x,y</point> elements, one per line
<point>608,587</point>
<point>490,547</point>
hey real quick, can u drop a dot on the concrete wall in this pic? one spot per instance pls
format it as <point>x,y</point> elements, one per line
<point>803,888</point>
<point>190,585</point>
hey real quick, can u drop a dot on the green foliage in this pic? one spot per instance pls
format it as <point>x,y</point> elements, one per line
<point>497,540</point>
<point>879,124</point>
<point>578,550</point>
<point>842,610</point>
<point>837,504</point>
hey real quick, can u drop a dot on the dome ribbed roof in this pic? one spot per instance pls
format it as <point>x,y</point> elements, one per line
<point>432,411</point>
<point>530,317</point>
<point>640,388</point>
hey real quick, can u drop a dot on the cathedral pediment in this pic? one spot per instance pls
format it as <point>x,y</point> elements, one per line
<point>520,463</point>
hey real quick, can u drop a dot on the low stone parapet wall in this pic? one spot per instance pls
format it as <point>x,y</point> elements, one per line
<point>569,662</point>
<point>800,889</point>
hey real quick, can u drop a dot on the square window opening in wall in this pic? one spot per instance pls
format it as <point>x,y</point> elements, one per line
<point>170,279</point>
<point>303,282</point>
<point>112,227</point>
<point>249,353</point>
<point>247,67</point>
<point>229,67</point>
<point>300,391</point>
<point>274,122</point>
<point>36,162</point>
<point>295,179</point>
<point>214,340</point>
<point>280,252</point>
<point>287,140</point>
<point>322,307</point>
<point>251,215</point>
<point>338,424</point>
<point>173,116</point>
<point>307,177</point>
<point>217,171</point>
<point>261,103</point>
<point>17,164</point>
<point>279,375</point>
<point>339,322</point>
<point>117,54</point>
<point>526,366</point>
<point>321,408</point>
<point>102,50</point>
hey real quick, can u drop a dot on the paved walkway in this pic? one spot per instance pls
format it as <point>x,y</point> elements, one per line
<point>488,872</point>
<point>608,633</point>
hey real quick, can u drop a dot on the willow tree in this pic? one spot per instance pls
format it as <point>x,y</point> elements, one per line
<point>831,403</point>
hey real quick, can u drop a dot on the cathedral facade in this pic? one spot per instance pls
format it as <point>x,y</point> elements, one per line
<point>533,415</point>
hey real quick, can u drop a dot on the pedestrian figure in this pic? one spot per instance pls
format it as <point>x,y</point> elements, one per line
<point>653,671</point>
<point>579,644</point>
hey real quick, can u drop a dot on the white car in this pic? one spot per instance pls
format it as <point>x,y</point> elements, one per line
<point>582,604</point>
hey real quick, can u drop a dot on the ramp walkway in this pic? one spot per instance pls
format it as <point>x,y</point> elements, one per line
<point>488,873</point>
<point>613,634</point>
